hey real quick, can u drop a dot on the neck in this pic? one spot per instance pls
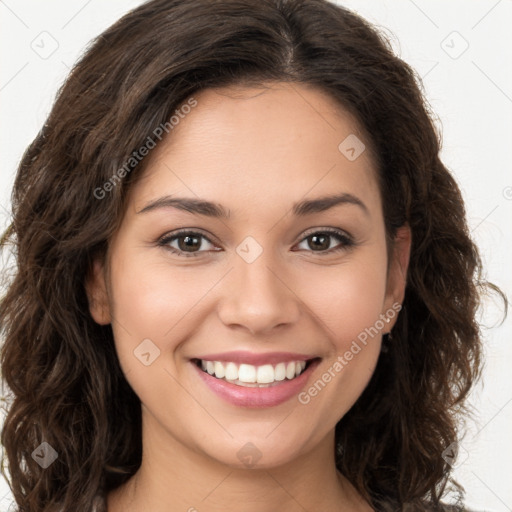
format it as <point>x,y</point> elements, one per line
<point>174,478</point>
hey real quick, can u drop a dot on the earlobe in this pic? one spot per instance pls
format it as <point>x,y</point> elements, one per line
<point>97,296</point>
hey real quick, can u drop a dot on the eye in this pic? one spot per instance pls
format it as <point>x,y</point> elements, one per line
<point>320,241</point>
<point>186,243</point>
<point>190,243</point>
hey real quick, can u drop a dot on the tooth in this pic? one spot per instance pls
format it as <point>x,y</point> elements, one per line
<point>265,374</point>
<point>231,371</point>
<point>280,371</point>
<point>219,370</point>
<point>247,373</point>
<point>290,370</point>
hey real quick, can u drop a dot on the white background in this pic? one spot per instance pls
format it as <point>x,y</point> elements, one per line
<point>469,89</point>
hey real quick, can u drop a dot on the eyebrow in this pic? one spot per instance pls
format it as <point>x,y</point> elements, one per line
<point>211,209</point>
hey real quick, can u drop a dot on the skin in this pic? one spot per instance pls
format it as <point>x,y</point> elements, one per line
<point>256,152</point>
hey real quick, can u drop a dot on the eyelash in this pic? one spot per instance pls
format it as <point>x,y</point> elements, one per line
<point>346,241</point>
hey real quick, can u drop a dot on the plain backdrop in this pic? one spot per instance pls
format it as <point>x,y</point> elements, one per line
<point>462,50</point>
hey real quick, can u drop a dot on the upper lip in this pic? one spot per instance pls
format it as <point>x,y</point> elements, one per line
<point>256,359</point>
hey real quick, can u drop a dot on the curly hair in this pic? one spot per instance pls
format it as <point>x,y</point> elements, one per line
<point>61,367</point>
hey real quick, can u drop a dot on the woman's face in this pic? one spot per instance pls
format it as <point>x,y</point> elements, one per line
<point>265,277</point>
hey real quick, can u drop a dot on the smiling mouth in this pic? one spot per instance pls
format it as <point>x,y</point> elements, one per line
<point>248,375</point>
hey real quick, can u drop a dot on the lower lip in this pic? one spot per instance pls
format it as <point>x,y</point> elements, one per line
<point>256,397</point>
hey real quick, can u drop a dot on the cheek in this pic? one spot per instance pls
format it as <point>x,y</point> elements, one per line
<point>151,298</point>
<point>157,299</point>
<point>158,302</point>
<point>347,299</point>
<point>348,304</point>
<point>165,302</point>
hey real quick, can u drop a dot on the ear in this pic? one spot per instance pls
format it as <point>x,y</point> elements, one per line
<point>96,290</point>
<point>397,271</point>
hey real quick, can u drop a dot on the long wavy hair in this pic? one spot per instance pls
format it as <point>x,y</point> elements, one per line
<point>61,368</point>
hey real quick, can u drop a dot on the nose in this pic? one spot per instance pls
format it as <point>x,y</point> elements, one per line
<point>258,297</point>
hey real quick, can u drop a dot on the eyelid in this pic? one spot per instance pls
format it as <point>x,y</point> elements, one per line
<point>165,239</point>
<point>330,231</point>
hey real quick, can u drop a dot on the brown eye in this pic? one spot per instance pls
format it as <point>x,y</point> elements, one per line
<point>322,241</point>
<point>186,243</point>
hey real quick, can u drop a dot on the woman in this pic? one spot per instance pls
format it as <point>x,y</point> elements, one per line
<point>244,274</point>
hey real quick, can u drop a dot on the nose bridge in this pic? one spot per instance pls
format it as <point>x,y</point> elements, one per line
<point>258,297</point>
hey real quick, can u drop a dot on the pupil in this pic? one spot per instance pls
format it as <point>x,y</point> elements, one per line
<point>187,242</point>
<point>324,238</point>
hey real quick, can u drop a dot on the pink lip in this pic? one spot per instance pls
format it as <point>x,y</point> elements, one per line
<point>240,356</point>
<point>255,397</point>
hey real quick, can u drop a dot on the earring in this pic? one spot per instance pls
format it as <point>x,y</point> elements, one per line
<point>388,334</point>
<point>384,347</point>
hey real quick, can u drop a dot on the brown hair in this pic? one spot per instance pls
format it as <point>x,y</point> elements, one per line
<point>67,386</point>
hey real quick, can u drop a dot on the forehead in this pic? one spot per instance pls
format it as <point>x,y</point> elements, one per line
<point>275,143</point>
